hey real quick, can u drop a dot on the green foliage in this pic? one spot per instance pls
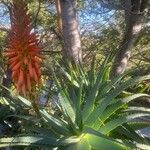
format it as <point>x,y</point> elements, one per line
<point>92,113</point>
<point>42,15</point>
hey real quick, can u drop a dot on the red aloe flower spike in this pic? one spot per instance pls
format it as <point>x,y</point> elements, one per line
<point>23,52</point>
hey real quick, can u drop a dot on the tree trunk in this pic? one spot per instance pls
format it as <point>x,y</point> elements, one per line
<point>134,20</point>
<point>70,31</point>
<point>131,33</point>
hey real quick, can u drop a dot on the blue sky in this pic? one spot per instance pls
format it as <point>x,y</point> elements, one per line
<point>4,18</point>
<point>91,18</point>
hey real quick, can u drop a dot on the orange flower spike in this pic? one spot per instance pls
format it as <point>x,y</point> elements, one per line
<point>29,83</point>
<point>14,74</point>
<point>23,50</point>
<point>9,54</point>
<point>26,61</point>
<point>18,89</point>
<point>13,59</point>
<point>20,78</point>
<point>35,76</point>
<point>17,66</point>
<point>37,70</point>
<point>23,89</point>
<point>11,65</point>
<point>38,60</point>
<point>36,65</point>
<point>31,70</point>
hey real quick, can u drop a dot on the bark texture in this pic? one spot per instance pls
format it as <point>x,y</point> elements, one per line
<point>134,14</point>
<point>70,31</point>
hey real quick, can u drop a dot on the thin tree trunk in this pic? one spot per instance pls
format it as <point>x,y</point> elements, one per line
<point>59,12</point>
<point>70,30</point>
<point>134,20</point>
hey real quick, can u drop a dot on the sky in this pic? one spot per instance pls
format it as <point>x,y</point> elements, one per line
<point>4,18</point>
<point>94,18</point>
<point>90,18</point>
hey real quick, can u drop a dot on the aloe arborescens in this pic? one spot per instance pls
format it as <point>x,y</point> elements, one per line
<point>23,51</point>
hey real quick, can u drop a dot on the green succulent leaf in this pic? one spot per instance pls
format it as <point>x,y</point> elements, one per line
<point>88,108</point>
<point>139,125</point>
<point>112,108</point>
<point>114,123</point>
<point>55,123</point>
<point>37,140</point>
<point>98,111</point>
<point>100,143</point>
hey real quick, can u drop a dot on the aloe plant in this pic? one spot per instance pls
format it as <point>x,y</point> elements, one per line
<point>93,114</point>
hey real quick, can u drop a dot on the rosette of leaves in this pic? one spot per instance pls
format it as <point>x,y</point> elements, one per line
<point>93,114</point>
